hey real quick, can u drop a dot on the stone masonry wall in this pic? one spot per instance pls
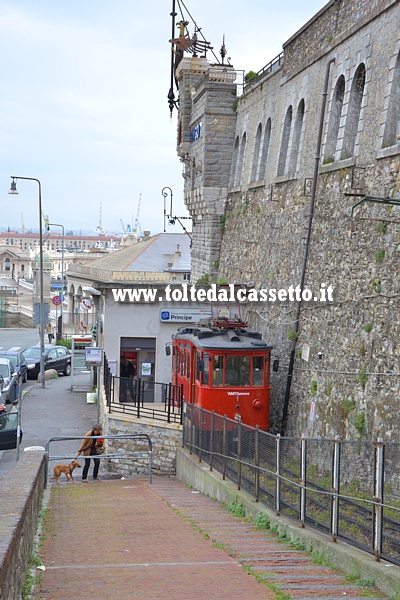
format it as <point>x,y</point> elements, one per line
<point>206,107</point>
<point>21,495</point>
<point>165,439</point>
<point>346,372</point>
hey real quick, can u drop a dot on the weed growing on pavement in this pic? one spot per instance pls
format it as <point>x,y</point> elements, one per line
<point>279,595</point>
<point>298,544</point>
<point>32,576</point>
<point>319,559</point>
<point>263,521</point>
<point>236,508</point>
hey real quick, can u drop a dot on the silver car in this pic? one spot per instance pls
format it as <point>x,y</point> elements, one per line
<point>10,381</point>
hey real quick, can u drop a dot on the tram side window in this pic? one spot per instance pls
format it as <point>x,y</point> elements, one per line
<point>217,370</point>
<point>198,365</point>
<point>206,368</point>
<point>237,371</point>
<point>187,359</point>
<point>258,370</point>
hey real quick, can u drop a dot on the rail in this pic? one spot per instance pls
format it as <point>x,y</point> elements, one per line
<point>128,436</point>
<point>345,489</point>
<point>269,68</point>
<point>141,398</point>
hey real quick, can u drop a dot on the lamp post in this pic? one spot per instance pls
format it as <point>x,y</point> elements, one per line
<point>13,190</point>
<point>62,270</point>
<point>165,192</point>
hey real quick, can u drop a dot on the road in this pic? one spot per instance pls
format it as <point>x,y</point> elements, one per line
<point>49,412</point>
<point>16,339</point>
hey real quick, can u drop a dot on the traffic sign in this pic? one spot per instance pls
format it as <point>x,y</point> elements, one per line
<point>86,304</point>
<point>56,300</point>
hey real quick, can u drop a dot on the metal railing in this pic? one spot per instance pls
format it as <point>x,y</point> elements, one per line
<point>143,399</point>
<point>346,489</point>
<point>269,68</point>
<point>136,437</point>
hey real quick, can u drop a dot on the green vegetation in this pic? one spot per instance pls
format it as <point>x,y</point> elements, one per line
<point>263,521</point>
<point>376,286</point>
<point>236,508</point>
<point>314,387</point>
<point>249,75</point>
<point>362,378</point>
<point>368,327</point>
<point>359,422</point>
<point>204,279</point>
<point>381,227</point>
<point>348,405</point>
<point>379,256</point>
<point>66,343</point>
<point>32,576</point>
<point>329,386</point>
<point>292,334</point>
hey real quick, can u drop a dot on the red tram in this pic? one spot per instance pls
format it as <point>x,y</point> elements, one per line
<point>224,370</point>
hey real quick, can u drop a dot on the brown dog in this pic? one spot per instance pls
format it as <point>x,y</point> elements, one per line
<point>66,469</point>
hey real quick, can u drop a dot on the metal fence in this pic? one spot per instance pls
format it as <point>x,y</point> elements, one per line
<point>143,399</point>
<point>346,489</point>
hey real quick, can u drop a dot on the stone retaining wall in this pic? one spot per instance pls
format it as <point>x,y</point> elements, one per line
<point>21,496</point>
<point>165,438</point>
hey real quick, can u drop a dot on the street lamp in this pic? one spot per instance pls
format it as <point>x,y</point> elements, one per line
<point>62,270</point>
<point>13,190</point>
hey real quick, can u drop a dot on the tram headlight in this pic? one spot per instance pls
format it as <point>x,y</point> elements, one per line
<point>257,403</point>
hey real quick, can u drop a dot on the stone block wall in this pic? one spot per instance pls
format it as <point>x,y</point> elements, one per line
<point>205,141</point>
<point>165,439</point>
<point>346,372</point>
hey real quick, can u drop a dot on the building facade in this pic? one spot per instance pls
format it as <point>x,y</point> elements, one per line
<point>138,328</point>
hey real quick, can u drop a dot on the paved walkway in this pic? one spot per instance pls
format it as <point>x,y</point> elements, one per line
<point>126,539</point>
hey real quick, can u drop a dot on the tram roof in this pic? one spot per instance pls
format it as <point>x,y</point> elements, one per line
<point>224,339</point>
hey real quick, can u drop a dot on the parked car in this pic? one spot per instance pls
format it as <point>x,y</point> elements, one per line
<point>55,357</point>
<point>18,362</point>
<point>10,381</point>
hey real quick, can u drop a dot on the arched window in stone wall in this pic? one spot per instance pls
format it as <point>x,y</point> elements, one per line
<point>234,161</point>
<point>392,127</point>
<point>240,162</point>
<point>334,120</point>
<point>298,126</point>
<point>353,113</point>
<point>285,141</point>
<point>265,148</point>
<point>256,154</point>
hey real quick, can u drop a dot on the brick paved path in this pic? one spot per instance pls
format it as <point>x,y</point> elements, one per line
<point>126,539</point>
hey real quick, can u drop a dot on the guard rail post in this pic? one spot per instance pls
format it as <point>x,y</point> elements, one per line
<point>335,489</point>
<point>278,475</point>
<point>378,498</point>
<point>303,455</point>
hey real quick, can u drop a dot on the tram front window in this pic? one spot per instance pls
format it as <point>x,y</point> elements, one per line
<point>237,371</point>
<point>258,370</point>
<point>217,370</point>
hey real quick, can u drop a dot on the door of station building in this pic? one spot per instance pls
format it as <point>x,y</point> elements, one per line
<point>141,352</point>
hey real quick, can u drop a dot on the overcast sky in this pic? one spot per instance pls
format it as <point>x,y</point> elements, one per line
<point>84,105</point>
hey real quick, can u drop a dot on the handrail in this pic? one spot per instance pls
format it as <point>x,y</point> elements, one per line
<point>129,436</point>
<point>267,70</point>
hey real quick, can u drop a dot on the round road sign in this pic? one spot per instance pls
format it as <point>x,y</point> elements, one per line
<point>56,300</point>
